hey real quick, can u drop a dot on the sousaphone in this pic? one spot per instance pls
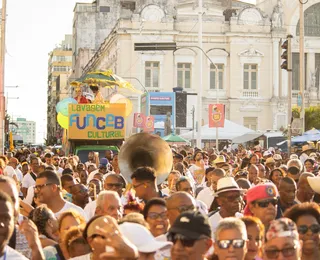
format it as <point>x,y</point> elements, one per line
<point>145,149</point>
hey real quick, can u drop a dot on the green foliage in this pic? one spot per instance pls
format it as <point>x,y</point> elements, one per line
<point>312,117</point>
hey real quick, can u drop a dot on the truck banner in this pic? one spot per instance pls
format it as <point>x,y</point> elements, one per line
<point>97,121</point>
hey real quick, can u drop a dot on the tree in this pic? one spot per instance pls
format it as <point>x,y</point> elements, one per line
<point>312,116</point>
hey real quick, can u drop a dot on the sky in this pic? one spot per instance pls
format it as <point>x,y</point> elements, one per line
<point>34,28</point>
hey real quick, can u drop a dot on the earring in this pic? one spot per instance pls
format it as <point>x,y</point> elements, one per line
<point>145,186</point>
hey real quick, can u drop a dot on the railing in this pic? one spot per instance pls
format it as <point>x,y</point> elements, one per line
<point>250,93</point>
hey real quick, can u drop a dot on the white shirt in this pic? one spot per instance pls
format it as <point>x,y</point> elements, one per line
<point>9,171</point>
<point>11,254</point>
<point>68,206</point>
<point>90,209</point>
<point>206,196</point>
<point>19,174</point>
<point>30,194</point>
<point>59,171</point>
<point>215,219</point>
<point>163,253</point>
<point>202,207</point>
<point>28,181</point>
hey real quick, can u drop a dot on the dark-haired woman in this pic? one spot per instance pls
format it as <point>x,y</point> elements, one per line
<point>307,218</point>
<point>47,225</point>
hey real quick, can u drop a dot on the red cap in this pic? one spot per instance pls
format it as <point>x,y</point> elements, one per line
<point>259,192</point>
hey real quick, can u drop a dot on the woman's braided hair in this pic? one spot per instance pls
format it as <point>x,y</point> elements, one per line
<point>40,217</point>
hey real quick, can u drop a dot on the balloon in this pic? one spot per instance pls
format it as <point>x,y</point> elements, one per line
<point>62,106</point>
<point>63,120</point>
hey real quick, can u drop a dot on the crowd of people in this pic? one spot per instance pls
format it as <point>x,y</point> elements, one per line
<point>242,204</point>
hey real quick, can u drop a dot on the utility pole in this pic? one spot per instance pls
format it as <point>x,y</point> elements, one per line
<point>302,68</point>
<point>2,62</point>
<point>287,65</point>
<point>199,105</point>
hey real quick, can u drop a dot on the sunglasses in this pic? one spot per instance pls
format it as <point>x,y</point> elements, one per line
<point>98,236</point>
<point>266,203</point>
<point>303,229</point>
<point>111,185</point>
<point>185,242</point>
<point>274,253</point>
<point>182,209</point>
<point>236,243</point>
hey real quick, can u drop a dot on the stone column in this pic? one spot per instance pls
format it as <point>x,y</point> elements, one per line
<point>275,81</point>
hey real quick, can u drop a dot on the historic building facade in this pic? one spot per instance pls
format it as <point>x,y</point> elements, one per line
<point>242,40</point>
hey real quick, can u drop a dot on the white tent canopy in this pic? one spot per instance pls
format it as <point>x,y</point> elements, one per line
<point>230,131</point>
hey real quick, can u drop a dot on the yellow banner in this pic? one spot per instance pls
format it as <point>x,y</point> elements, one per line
<point>97,121</point>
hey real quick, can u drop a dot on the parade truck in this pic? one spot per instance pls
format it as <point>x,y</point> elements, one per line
<point>94,127</point>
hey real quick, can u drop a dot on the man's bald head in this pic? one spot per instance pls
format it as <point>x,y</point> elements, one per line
<point>177,203</point>
<point>219,172</point>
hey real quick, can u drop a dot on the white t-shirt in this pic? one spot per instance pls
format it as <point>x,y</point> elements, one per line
<point>68,206</point>
<point>11,254</point>
<point>59,171</point>
<point>30,194</point>
<point>163,253</point>
<point>206,196</point>
<point>28,181</point>
<point>215,219</point>
<point>19,174</point>
<point>90,209</point>
<point>202,207</point>
<point>9,171</point>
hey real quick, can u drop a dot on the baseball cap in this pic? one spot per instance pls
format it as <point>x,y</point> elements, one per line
<point>103,162</point>
<point>191,225</point>
<point>142,238</point>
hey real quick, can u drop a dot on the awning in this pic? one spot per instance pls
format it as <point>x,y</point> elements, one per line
<point>246,138</point>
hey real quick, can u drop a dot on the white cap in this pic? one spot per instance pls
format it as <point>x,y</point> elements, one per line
<point>294,156</point>
<point>267,153</point>
<point>142,238</point>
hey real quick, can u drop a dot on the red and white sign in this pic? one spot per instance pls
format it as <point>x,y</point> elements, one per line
<point>216,115</point>
<point>138,120</point>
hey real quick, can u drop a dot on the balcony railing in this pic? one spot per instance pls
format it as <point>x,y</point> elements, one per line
<point>250,93</point>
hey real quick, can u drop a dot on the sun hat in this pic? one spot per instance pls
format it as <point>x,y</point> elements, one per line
<point>227,184</point>
<point>220,159</point>
<point>294,156</point>
<point>142,238</point>
<point>314,183</point>
<point>270,160</point>
<point>191,225</point>
<point>277,157</point>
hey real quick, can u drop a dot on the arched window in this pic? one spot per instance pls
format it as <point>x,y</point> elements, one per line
<point>311,21</point>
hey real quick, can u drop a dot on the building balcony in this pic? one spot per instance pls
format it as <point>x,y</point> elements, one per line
<point>212,93</point>
<point>249,93</point>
